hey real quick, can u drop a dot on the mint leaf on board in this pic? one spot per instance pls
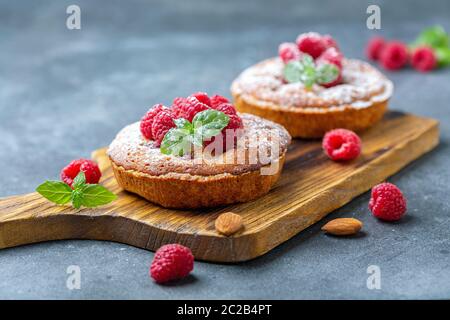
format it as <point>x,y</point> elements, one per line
<point>206,124</point>
<point>94,195</point>
<point>82,194</point>
<point>327,73</point>
<point>55,191</point>
<point>79,181</point>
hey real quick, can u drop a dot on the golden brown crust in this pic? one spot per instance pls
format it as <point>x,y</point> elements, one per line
<point>310,123</point>
<point>175,191</point>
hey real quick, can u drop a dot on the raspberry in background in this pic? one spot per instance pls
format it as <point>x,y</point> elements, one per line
<point>217,100</point>
<point>394,55</point>
<point>171,262</point>
<point>423,59</point>
<point>311,43</point>
<point>202,97</point>
<point>387,202</point>
<point>341,145</point>
<point>90,168</point>
<point>162,123</point>
<point>288,51</point>
<point>375,47</point>
<point>147,120</point>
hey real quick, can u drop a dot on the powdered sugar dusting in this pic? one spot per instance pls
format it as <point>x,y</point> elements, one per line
<point>131,151</point>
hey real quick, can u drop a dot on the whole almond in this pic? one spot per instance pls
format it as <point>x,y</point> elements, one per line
<point>228,223</point>
<point>343,226</point>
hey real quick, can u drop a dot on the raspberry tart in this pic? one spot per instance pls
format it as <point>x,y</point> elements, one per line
<point>311,89</point>
<point>199,153</point>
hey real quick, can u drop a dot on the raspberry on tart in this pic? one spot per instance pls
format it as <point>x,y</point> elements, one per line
<point>355,99</point>
<point>181,177</point>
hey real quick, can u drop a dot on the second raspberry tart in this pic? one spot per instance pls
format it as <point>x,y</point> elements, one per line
<point>311,89</point>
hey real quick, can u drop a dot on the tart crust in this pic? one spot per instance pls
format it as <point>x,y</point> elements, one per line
<point>188,191</point>
<point>310,120</point>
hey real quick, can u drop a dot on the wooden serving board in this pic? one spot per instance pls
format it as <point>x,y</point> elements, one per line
<point>310,187</point>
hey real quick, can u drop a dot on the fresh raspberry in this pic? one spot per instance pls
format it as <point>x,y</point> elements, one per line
<point>375,47</point>
<point>394,55</point>
<point>226,108</point>
<point>329,41</point>
<point>162,123</point>
<point>424,59</point>
<point>147,120</point>
<point>177,106</point>
<point>171,262</point>
<point>89,167</point>
<point>202,97</point>
<point>387,202</point>
<point>341,144</point>
<point>311,43</point>
<point>188,108</point>
<point>217,100</point>
<point>331,55</point>
<point>288,51</point>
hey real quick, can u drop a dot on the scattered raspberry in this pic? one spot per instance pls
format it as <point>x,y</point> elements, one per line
<point>89,167</point>
<point>171,262</point>
<point>331,55</point>
<point>147,120</point>
<point>217,100</point>
<point>288,51</point>
<point>311,43</point>
<point>329,42</point>
<point>375,47</point>
<point>162,123</point>
<point>394,55</point>
<point>203,98</point>
<point>341,144</point>
<point>424,59</point>
<point>188,108</point>
<point>387,202</point>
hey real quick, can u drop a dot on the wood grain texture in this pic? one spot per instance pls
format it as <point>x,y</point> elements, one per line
<point>310,187</point>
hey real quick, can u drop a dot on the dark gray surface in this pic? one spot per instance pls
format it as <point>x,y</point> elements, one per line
<point>65,93</point>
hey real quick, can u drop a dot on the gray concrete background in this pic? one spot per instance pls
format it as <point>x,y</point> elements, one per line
<point>65,93</point>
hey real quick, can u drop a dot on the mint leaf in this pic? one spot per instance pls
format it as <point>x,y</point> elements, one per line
<point>176,141</point>
<point>206,124</point>
<point>435,37</point>
<point>443,56</point>
<point>79,181</point>
<point>55,191</point>
<point>308,73</point>
<point>327,73</point>
<point>76,198</point>
<point>292,72</point>
<point>94,195</point>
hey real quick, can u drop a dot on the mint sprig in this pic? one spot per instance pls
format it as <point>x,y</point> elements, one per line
<point>437,38</point>
<point>206,124</point>
<point>82,194</point>
<point>308,73</point>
